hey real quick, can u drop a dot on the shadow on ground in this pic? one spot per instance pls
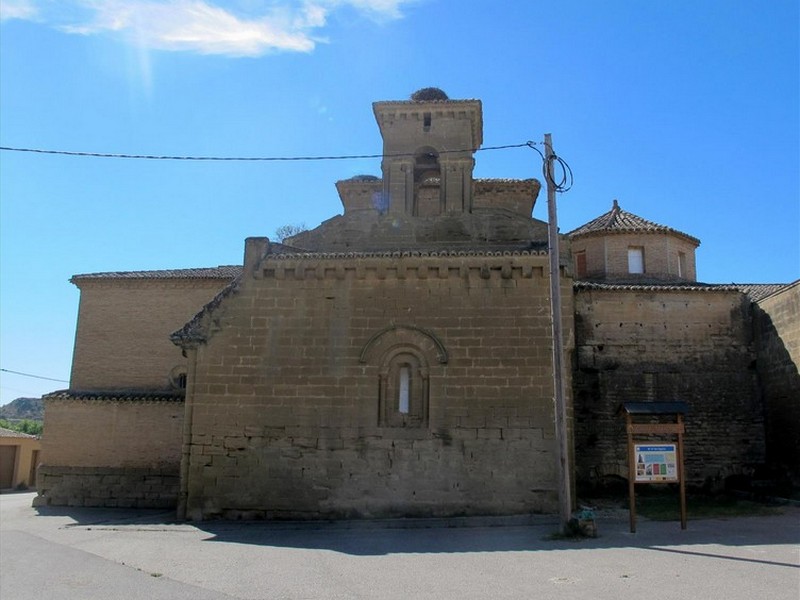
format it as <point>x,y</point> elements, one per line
<point>420,536</point>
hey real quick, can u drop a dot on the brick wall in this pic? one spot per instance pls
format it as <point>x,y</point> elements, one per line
<point>778,335</point>
<point>110,453</point>
<point>607,255</point>
<point>692,346</point>
<point>122,339</point>
<point>286,399</point>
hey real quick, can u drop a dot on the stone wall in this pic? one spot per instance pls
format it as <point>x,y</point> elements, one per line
<point>110,452</point>
<point>293,408</point>
<point>122,338</point>
<point>662,344</point>
<point>607,255</point>
<point>778,334</point>
<point>107,486</point>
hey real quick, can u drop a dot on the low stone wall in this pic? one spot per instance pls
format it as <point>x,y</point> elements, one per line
<point>107,487</point>
<point>111,449</point>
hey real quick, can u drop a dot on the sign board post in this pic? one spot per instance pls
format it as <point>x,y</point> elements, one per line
<point>655,462</point>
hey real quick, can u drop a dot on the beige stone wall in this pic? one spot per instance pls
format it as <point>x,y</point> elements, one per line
<point>104,433</point>
<point>515,196</point>
<point>285,407</point>
<point>778,334</point>
<point>122,339</point>
<point>110,453</point>
<point>607,255</point>
<point>691,346</point>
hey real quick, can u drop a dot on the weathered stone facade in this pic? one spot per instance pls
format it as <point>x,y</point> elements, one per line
<point>293,402</point>
<point>667,343</point>
<point>778,343</point>
<point>397,359</point>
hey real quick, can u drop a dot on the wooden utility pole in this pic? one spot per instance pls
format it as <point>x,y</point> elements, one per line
<point>560,406</point>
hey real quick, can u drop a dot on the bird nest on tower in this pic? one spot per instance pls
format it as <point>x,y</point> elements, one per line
<point>428,94</point>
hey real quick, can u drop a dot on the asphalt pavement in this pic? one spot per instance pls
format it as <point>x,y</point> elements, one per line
<point>82,553</point>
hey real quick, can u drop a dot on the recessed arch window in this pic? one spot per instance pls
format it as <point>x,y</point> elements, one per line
<point>403,389</point>
<point>404,355</point>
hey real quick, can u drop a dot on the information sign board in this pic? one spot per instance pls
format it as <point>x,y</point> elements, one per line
<point>656,463</point>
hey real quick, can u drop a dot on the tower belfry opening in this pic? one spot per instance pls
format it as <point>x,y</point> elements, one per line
<point>428,200</point>
<point>429,143</point>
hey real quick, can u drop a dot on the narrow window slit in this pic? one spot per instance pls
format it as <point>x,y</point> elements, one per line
<point>404,390</point>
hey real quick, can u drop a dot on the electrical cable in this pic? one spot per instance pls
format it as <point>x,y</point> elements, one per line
<point>243,158</point>
<point>565,183</point>
<point>33,376</point>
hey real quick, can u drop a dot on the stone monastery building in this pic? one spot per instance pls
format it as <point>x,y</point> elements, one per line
<point>397,360</point>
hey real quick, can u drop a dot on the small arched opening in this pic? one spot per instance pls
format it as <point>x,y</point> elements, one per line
<point>428,200</point>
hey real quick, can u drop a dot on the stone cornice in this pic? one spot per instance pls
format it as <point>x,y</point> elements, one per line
<point>404,265</point>
<point>406,254</point>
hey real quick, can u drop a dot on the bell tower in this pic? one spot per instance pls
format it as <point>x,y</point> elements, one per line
<point>428,147</point>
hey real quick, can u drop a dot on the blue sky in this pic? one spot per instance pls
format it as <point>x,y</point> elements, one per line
<point>685,111</point>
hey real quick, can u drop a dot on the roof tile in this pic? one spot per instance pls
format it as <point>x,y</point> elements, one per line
<point>620,221</point>
<point>221,272</point>
<point>127,395</point>
<point>10,433</point>
<point>759,291</point>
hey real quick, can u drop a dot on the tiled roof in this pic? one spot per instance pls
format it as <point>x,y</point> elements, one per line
<point>759,291</point>
<point>130,395</point>
<point>754,291</point>
<point>224,272</point>
<point>278,248</point>
<point>657,286</point>
<point>504,180</point>
<point>10,433</point>
<point>620,221</point>
<point>221,272</point>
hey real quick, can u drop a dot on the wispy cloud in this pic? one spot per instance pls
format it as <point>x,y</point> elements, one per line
<point>18,9</point>
<point>201,26</point>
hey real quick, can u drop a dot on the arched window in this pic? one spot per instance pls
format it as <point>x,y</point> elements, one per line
<point>403,355</point>
<point>403,389</point>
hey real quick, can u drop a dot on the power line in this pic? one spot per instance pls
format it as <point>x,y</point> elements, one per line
<point>33,376</point>
<point>564,184</point>
<point>245,158</point>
